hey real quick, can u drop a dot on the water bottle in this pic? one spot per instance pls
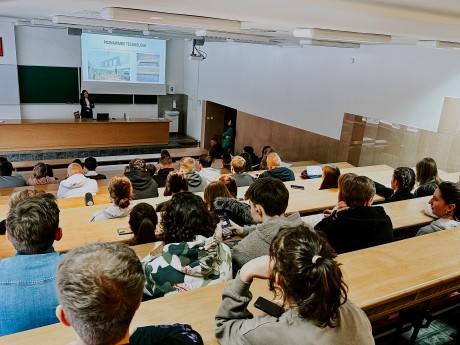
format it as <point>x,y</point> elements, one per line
<point>124,116</point>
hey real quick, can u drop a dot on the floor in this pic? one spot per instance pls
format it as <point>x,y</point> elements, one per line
<point>440,332</point>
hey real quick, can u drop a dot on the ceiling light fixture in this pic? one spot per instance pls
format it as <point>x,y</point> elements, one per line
<point>439,44</point>
<point>82,21</point>
<point>335,44</point>
<point>341,36</point>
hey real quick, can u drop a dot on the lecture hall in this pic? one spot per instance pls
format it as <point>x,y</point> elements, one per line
<point>241,173</point>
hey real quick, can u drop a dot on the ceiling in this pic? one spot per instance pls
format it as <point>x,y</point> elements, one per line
<point>261,21</point>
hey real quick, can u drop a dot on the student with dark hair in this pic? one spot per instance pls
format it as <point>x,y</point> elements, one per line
<point>230,183</point>
<point>242,179</point>
<point>226,163</point>
<point>152,169</point>
<point>165,166</point>
<point>206,172</point>
<point>100,288</point>
<point>402,183</point>
<point>341,202</point>
<point>14,172</point>
<point>214,190</point>
<point>91,166</point>
<point>216,149</point>
<point>121,194</point>
<point>427,177</point>
<point>331,174</point>
<point>445,204</point>
<point>356,225</point>
<point>302,272</point>
<point>40,175</point>
<point>165,153</point>
<point>192,255</point>
<point>143,221</point>
<point>176,182</point>
<point>28,279</point>
<point>268,198</point>
<point>143,185</point>
<point>255,160</point>
<point>248,165</point>
<point>7,180</point>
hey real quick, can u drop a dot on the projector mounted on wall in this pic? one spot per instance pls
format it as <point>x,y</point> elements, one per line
<point>197,54</point>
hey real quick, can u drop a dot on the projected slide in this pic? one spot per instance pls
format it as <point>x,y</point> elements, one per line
<point>123,59</point>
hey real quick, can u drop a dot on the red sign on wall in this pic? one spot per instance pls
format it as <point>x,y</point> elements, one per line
<point>1,47</point>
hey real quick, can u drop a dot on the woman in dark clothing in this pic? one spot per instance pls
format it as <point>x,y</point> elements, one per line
<point>427,177</point>
<point>402,183</point>
<point>87,105</point>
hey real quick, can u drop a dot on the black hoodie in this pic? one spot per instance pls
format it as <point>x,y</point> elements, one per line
<point>143,185</point>
<point>160,177</point>
<point>358,228</point>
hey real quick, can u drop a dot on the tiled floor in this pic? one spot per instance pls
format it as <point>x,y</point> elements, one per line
<point>441,332</point>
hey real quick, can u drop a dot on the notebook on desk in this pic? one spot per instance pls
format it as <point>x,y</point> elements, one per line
<point>102,117</point>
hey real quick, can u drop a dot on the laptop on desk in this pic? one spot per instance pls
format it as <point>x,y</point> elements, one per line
<point>102,117</point>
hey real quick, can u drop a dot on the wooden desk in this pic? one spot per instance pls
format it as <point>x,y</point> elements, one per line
<point>381,280</point>
<point>49,134</point>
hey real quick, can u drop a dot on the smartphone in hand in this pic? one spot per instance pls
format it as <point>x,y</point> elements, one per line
<point>226,232</point>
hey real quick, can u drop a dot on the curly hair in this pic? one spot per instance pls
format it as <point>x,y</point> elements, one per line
<point>315,286</point>
<point>184,217</point>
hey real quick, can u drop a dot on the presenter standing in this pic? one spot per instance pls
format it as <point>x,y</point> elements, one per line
<point>87,105</point>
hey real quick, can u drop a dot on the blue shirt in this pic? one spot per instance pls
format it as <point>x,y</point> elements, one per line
<point>28,296</point>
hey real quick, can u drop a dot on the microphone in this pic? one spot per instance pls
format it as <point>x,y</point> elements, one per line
<point>89,199</point>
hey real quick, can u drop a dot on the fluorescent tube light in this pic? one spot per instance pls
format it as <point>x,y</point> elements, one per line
<point>341,36</point>
<point>334,44</point>
<point>99,23</point>
<point>171,19</point>
<point>439,44</point>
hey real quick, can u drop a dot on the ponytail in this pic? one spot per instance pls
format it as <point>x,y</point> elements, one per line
<point>145,232</point>
<point>143,221</point>
<point>123,203</point>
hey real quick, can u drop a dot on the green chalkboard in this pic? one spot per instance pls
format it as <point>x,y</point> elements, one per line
<point>40,84</point>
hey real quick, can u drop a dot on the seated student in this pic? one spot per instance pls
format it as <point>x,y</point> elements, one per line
<point>340,182</point>
<point>165,153</point>
<point>165,166</point>
<point>263,161</point>
<point>230,183</point>
<point>356,225</point>
<point>402,182</point>
<point>28,279</point>
<point>152,169</point>
<point>331,174</point>
<point>143,185</point>
<point>121,194</point>
<point>248,163</point>
<point>255,160</point>
<point>268,198</point>
<point>206,172</point>
<point>15,173</point>
<point>192,256</point>
<point>216,149</point>
<point>76,184</point>
<point>91,165</point>
<point>445,204</point>
<point>220,201</point>
<point>7,179</point>
<point>100,288</point>
<point>427,177</point>
<point>226,163</point>
<point>242,179</point>
<point>302,272</point>
<point>143,221</point>
<point>175,183</point>
<point>40,175</point>
<point>276,170</point>
<point>196,183</point>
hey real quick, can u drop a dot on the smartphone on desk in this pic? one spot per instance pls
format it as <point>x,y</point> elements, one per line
<point>295,186</point>
<point>124,231</point>
<point>268,307</point>
<point>226,232</point>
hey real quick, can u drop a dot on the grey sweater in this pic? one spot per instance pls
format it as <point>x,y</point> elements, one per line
<point>438,225</point>
<point>257,239</point>
<point>236,325</point>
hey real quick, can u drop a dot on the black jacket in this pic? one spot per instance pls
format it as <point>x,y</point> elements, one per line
<point>390,195</point>
<point>237,211</point>
<point>86,113</point>
<point>143,185</point>
<point>357,228</point>
<point>426,189</point>
<point>160,177</point>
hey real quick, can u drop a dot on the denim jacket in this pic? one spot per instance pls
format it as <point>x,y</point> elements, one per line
<point>28,291</point>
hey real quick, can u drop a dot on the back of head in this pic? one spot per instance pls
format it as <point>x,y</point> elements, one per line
<point>205,161</point>
<point>187,164</point>
<point>310,277</point>
<point>136,164</point>
<point>238,164</point>
<point>450,193</point>
<point>230,183</point>
<point>100,288</point>
<point>212,191</point>
<point>32,222</point>
<point>184,217</point>
<point>165,153</point>
<point>165,161</point>
<point>143,220</point>
<point>6,168</point>
<point>341,181</point>
<point>427,170</point>
<point>331,174</point>
<point>3,159</point>
<point>357,191</point>
<point>151,169</point>
<point>175,182</point>
<point>273,160</point>
<point>40,170</point>
<point>266,149</point>
<point>248,149</point>
<point>74,168</point>
<point>248,161</point>
<point>17,196</point>
<point>79,162</point>
<point>121,191</point>
<point>270,193</point>
<point>405,177</point>
<point>91,163</point>
<point>226,158</point>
